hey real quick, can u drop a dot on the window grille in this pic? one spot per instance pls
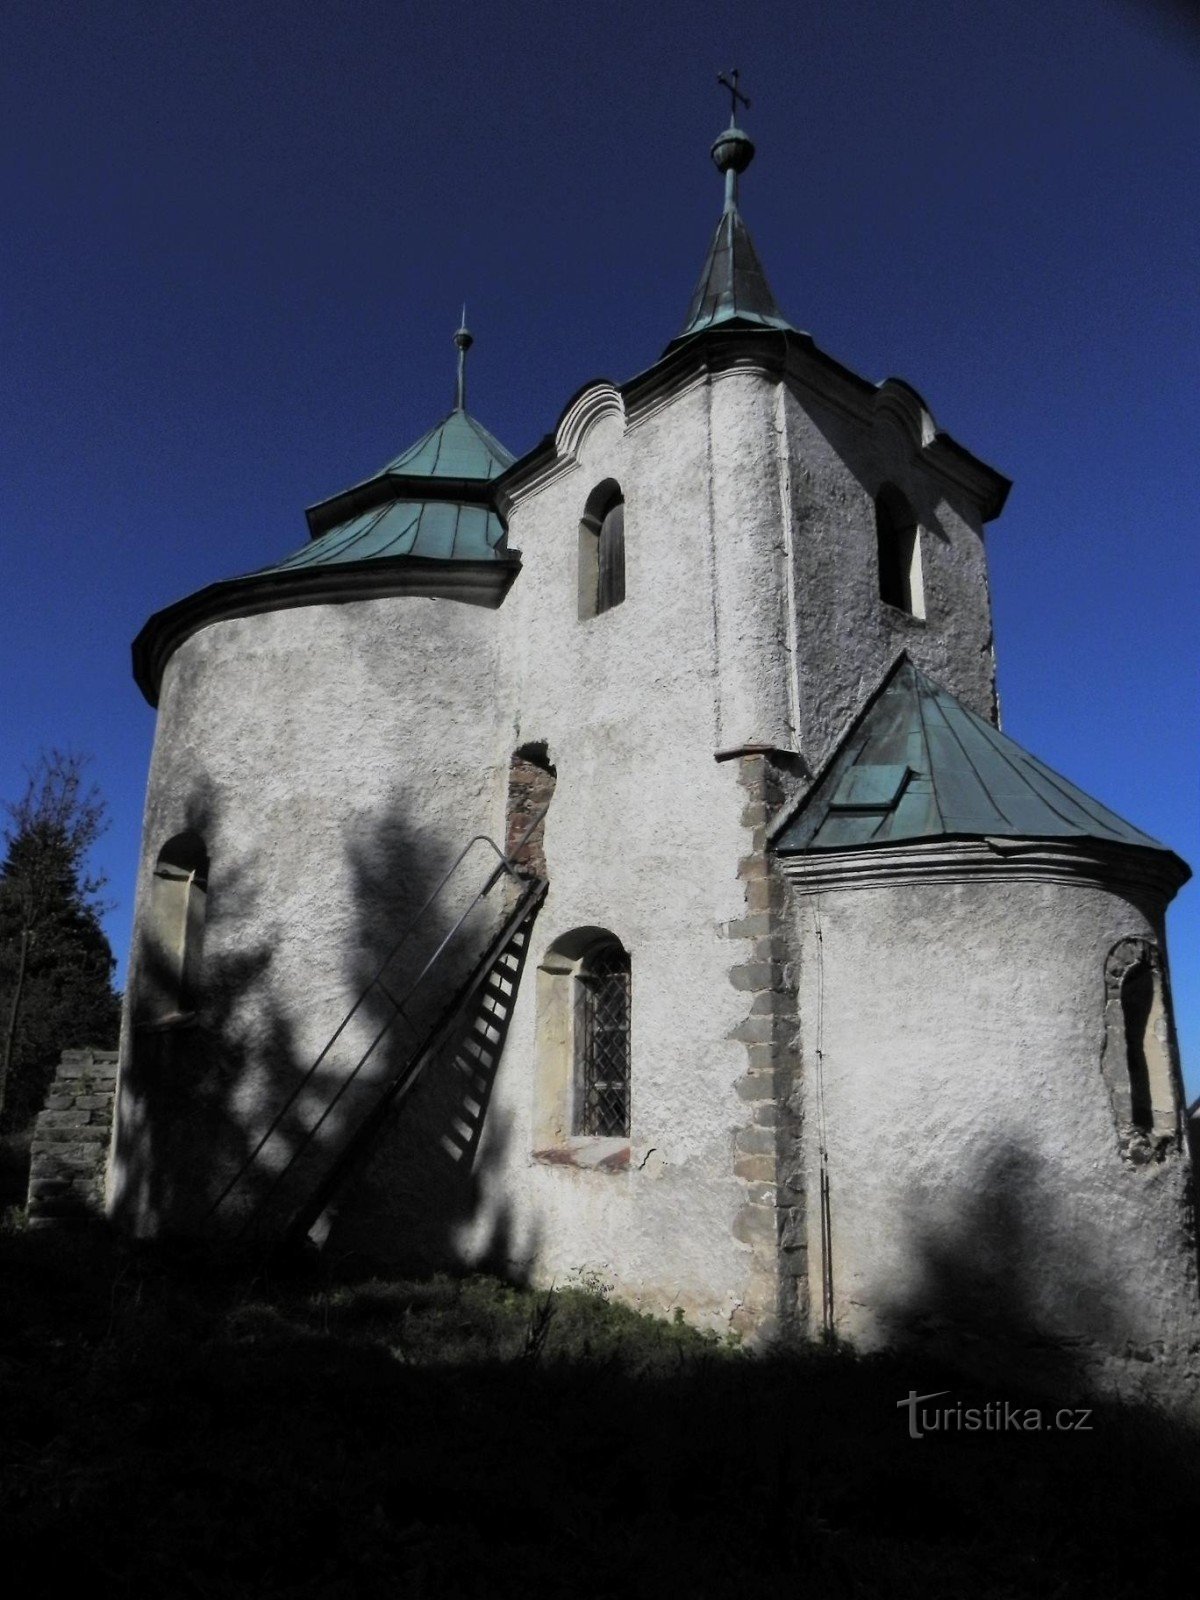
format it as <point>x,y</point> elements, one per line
<point>602,1036</point>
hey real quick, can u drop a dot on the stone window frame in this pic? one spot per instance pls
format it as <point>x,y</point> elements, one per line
<point>557,1111</point>
<point>898,546</point>
<point>172,942</point>
<point>601,564</point>
<point>1141,1073</point>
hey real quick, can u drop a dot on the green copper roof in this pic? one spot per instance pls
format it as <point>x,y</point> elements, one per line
<point>426,525</point>
<point>432,502</point>
<point>733,286</point>
<point>437,530</point>
<point>459,447</point>
<point>918,764</point>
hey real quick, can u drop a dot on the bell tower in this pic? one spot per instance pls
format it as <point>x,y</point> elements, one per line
<point>847,526</point>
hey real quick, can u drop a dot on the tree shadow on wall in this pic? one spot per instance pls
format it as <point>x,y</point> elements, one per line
<point>179,1133</point>
<point>231,1116</point>
<point>1014,1287</point>
<point>426,1195</point>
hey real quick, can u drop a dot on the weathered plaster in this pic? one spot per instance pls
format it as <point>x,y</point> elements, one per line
<point>943,1050</point>
<point>643,840</point>
<point>953,1035</point>
<point>310,749</point>
<point>846,638</point>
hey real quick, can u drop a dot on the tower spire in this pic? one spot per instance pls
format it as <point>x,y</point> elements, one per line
<point>464,339</point>
<point>733,287</point>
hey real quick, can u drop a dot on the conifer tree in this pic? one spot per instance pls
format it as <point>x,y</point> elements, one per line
<point>56,964</point>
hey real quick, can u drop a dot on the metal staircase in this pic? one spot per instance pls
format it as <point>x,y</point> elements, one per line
<point>290,1178</point>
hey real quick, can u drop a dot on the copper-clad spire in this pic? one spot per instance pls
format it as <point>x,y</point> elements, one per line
<point>733,287</point>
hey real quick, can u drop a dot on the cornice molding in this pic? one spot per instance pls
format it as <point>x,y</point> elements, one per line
<point>590,407</point>
<point>1146,874</point>
<point>900,402</point>
<point>477,583</point>
<point>544,469</point>
<point>776,354</point>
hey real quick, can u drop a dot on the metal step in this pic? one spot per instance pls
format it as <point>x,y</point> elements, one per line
<point>483,1039</point>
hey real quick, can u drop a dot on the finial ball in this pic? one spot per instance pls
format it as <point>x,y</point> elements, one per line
<point>733,151</point>
<point>464,338</point>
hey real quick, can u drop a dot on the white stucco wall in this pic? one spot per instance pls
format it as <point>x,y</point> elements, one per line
<point>952,1037</point>
<point>846,638</point>
<point>335,758</point>
<point>643,839</point>
<point>312,749</point>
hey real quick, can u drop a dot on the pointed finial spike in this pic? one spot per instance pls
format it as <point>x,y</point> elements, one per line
<point>464,340</point>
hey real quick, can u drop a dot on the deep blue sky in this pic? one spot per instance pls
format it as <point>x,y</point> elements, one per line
<point>236,237</point>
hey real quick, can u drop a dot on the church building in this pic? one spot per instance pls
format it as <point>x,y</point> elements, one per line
<point>607,864</point>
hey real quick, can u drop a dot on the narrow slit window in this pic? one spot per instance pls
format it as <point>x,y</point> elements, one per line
<point>1139,1059</point>
<point>1137,1002</point>
<point>898,540</point>
<point>174,933</point>
<point>610,584</point>
<point>602,551</point>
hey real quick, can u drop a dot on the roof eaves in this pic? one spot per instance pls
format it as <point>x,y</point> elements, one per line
<point>482,583</point>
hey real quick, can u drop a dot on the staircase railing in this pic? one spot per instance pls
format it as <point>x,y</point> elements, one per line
<point>532,891</point>
<point>360,1142</point>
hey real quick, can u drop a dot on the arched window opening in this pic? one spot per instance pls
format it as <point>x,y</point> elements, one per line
<point>602,551</point>
<point>582,1053</point>
<point>898,539</point>
<point>602,1042</point>
<point>174,933</point>
<point>1139,1063</point>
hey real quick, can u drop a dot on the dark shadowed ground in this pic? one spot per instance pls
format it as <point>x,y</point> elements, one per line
<point>210,1432</point>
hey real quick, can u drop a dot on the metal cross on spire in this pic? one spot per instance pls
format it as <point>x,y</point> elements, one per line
<point>735,94</point>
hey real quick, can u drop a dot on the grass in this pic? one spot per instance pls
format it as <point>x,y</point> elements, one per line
<point>178,1427</point>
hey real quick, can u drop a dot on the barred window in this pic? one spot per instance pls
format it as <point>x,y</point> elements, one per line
<point>602,1042</point>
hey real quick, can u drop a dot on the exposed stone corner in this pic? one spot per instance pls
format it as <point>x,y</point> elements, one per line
<point>767,1146</point>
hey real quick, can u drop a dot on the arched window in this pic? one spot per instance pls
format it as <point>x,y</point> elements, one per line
<point>602,551</point>
<point>602,1042</point>
<point>1139,1062</point>
<point>174,929</point>
<point>899,545</point>
<point>582,1054</point>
